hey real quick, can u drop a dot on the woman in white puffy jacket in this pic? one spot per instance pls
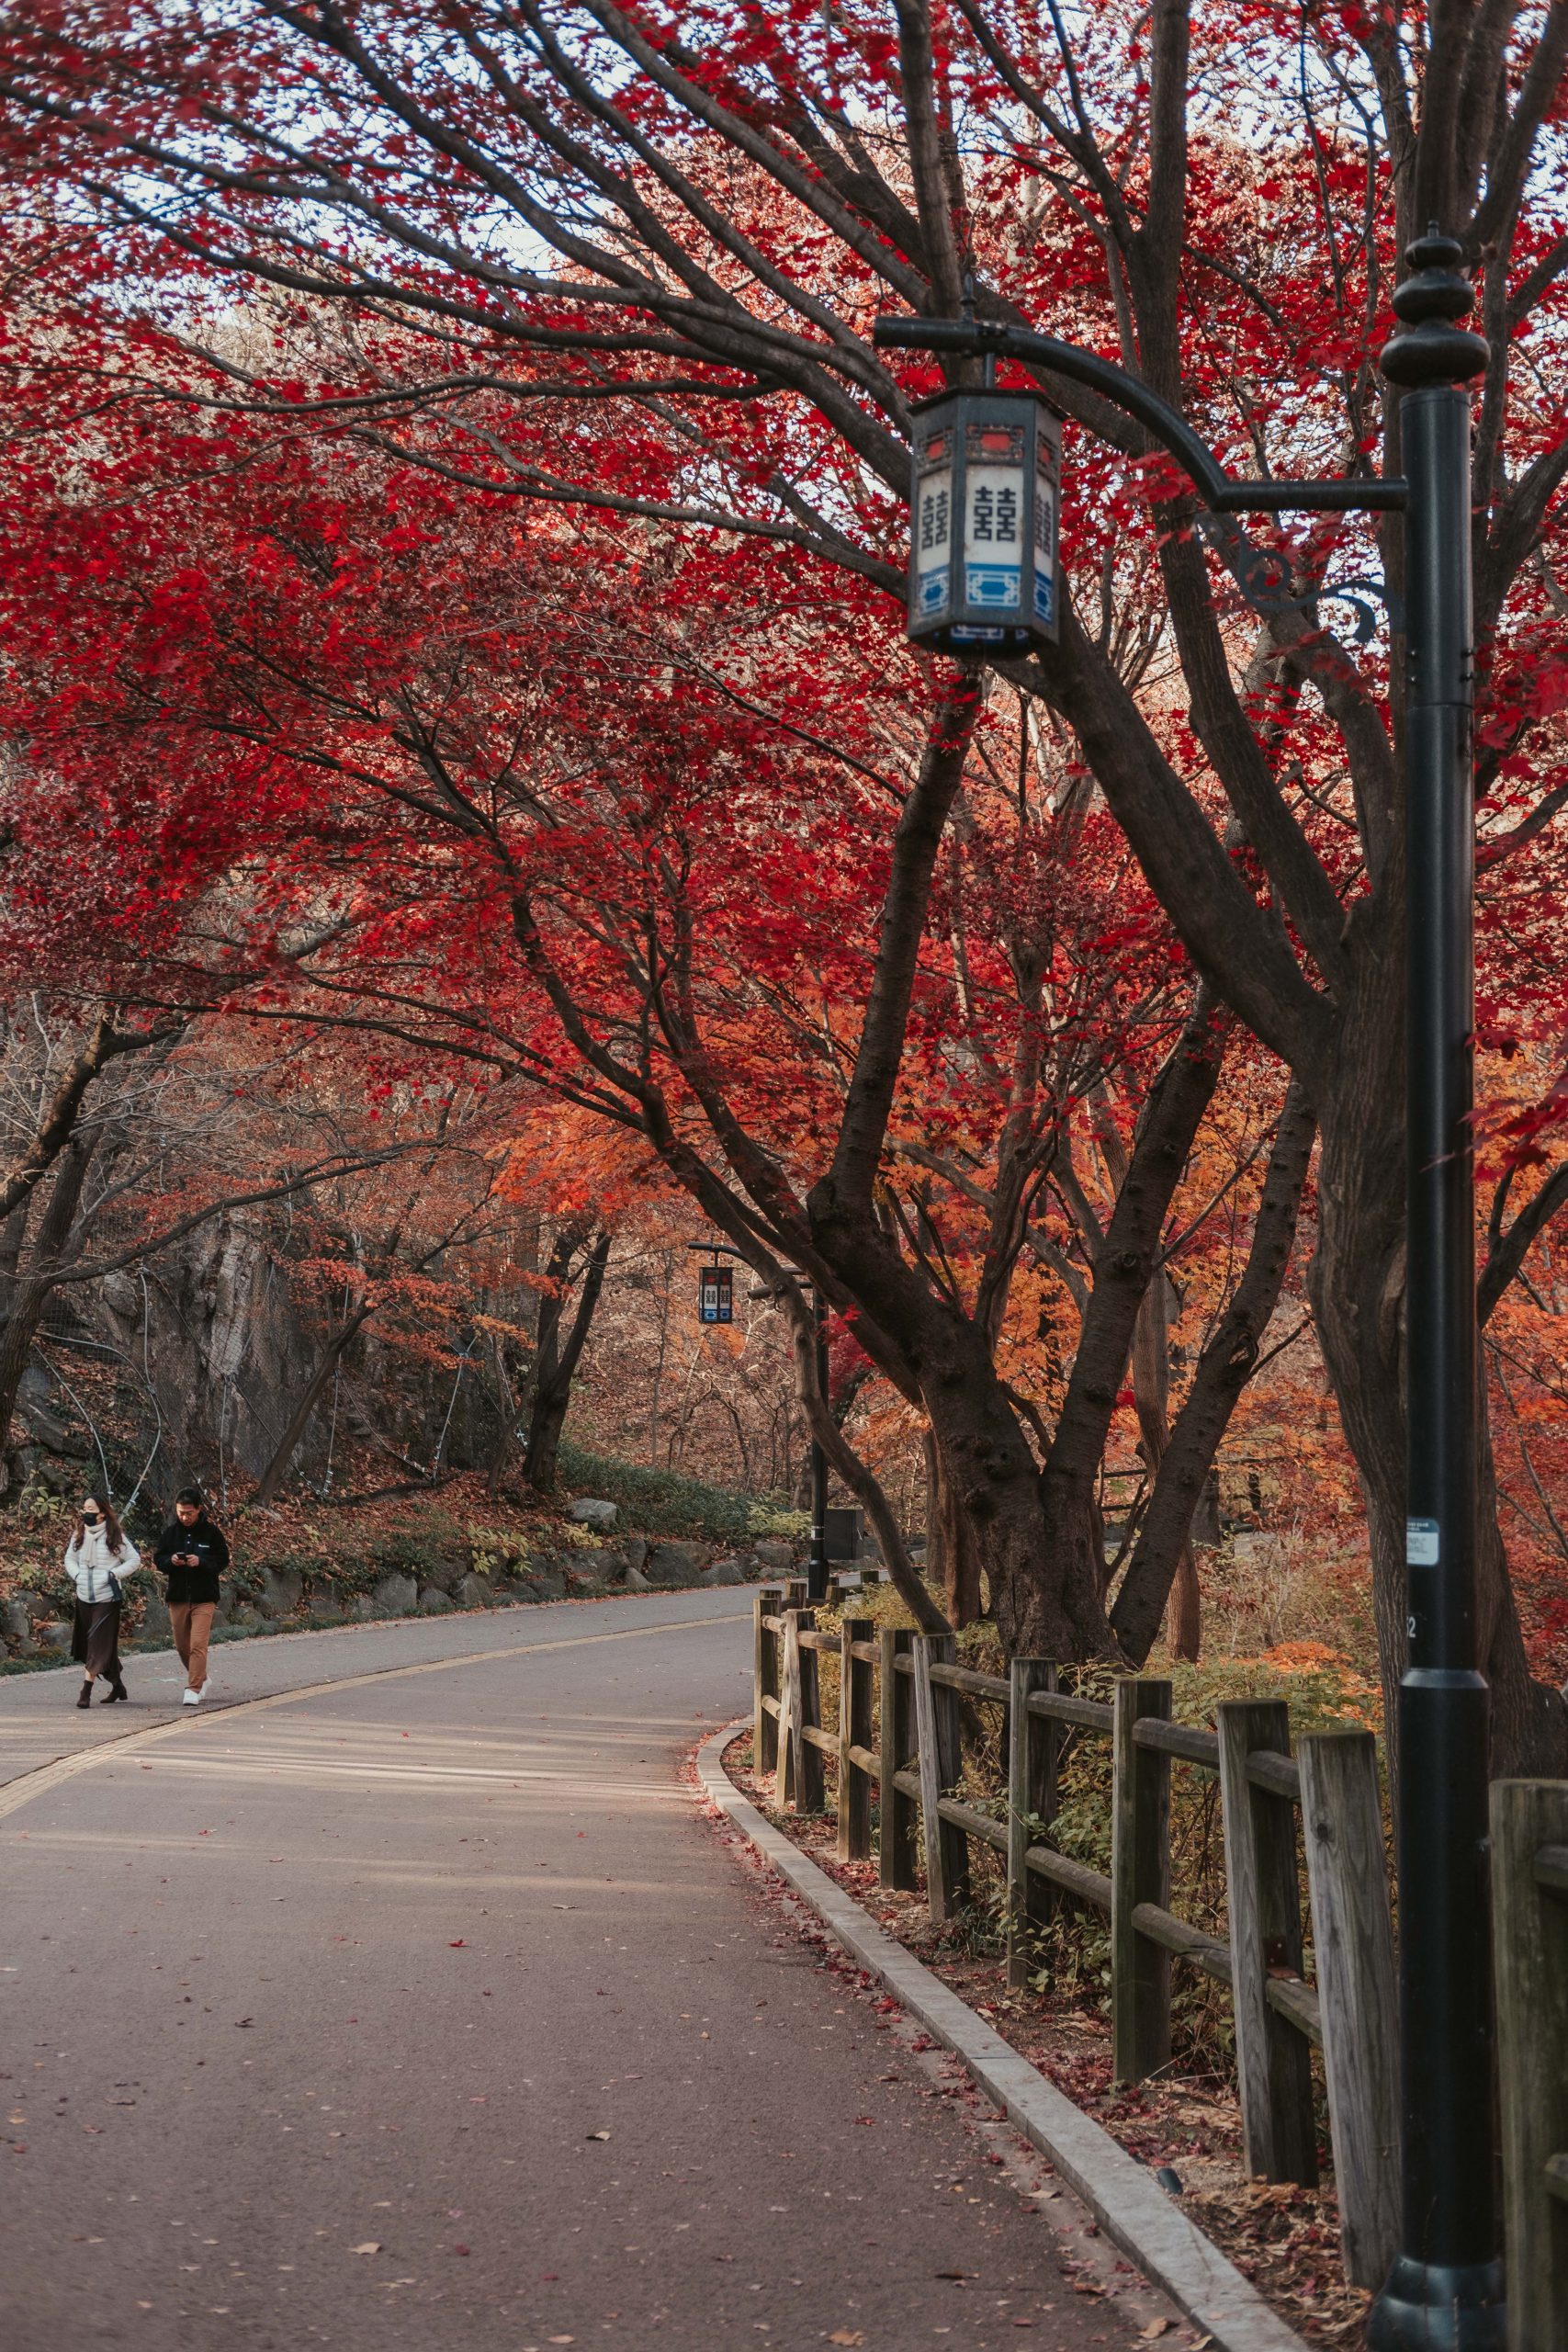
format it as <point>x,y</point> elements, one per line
<point>97,1558</point>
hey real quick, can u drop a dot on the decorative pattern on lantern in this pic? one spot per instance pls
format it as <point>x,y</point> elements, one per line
<point>716,1295</point>
<point>984,509</point>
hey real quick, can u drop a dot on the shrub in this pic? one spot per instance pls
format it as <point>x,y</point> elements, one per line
<point>663,1502</point>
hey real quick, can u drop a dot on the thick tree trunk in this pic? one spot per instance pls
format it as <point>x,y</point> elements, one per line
<point>541,1458</point>
<point>1356,1284</point>
<point>1042,1572</point>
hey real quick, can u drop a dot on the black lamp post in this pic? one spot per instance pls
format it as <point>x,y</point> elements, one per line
<point>1445,2293</point>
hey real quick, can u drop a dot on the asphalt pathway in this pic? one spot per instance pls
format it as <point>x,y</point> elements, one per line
<point>425,2008</point>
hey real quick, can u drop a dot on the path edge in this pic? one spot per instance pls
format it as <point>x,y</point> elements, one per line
<point>1147,2225</point>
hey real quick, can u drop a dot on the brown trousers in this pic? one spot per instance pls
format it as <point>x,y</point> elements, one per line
<point>192,1623</point>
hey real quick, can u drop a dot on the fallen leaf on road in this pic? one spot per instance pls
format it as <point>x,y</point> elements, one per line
<point>371,2245</point>
<point>456,1945</point>
<point>245,2020</point>
<point>459,2249</point>
<point>593,2135</point>
<point>958,2274</point>
<point>1156,2327</point>
<point>848,2335</point>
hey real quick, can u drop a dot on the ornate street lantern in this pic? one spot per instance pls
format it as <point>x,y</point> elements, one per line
<point>983,509</point>
<point>716,1295</point>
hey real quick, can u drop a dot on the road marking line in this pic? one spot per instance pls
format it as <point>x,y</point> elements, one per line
<point>28,1785</point>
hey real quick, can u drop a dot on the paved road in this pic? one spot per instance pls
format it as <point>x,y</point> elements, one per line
<point>425,2009</point>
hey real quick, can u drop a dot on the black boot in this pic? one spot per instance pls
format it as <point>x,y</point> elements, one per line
<point>87,1697</point>
<point>116,1690</point>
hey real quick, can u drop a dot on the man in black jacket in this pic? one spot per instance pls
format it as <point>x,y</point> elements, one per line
<point>193,1556</point>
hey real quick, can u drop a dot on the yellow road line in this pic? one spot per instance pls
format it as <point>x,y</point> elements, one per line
<point>28,1785</point>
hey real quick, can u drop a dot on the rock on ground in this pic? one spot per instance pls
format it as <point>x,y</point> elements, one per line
<point>674,1563</point>
<point>396,1592</point>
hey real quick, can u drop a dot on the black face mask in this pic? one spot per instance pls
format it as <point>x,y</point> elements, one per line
<point>89,1518</point>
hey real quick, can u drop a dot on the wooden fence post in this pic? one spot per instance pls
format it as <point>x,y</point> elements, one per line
<point>765,1684</point>
<point>786,1778</point>
<point>897,1813</point>
<point>936,1729</point>
<point>1273,2062</point>
<point>1140,1872</point>
<point>1530,1928</point>
<point>810,1776</point>
<point>854,1731</point>
<point>1352,1939</point>
<point>1031,1798</point>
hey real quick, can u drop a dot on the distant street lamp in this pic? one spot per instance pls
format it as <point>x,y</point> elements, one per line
<point>1445,2292</point>
<point>716,1295</point>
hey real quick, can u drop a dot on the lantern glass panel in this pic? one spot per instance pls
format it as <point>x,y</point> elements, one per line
<point>1047,493</point>
<point>933,526</point>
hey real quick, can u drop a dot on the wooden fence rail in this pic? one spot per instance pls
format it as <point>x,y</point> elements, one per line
<point>898,1732</point>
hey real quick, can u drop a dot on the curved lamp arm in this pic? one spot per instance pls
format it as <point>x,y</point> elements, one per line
<point>964,339</point>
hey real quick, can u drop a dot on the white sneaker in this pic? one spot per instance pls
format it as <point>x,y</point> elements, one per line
<point>193,1697</point>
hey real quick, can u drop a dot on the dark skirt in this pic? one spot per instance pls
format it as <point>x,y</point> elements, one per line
<point>94,1637</point>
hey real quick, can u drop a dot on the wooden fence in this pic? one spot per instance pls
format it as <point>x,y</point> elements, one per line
<point>1529,1897</point>
<point>898,1732</point>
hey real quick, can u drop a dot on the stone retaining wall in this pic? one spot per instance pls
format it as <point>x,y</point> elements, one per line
<point>289,1593</point>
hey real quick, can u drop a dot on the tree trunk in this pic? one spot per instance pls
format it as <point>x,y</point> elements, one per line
<point>555,1362</point>
<point>1165,1539</point>
<point>1151,1400</point>
<point>506,1419</point>
<point>1183,1614</point>
<point>952,1555</point>
<point>30,1289</point>
<point>860,1479</point>
<point>542,1455</point>
<point>1357,1285</point>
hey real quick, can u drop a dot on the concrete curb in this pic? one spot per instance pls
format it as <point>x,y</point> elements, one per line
<point>1150,2229</point>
